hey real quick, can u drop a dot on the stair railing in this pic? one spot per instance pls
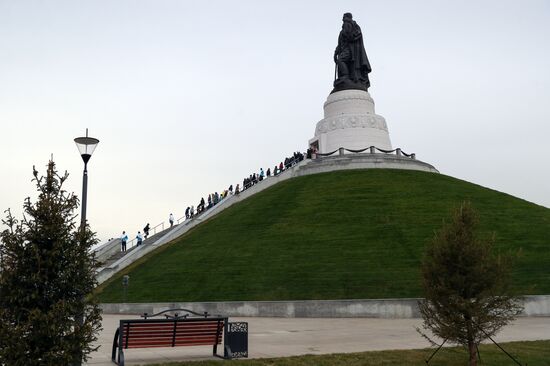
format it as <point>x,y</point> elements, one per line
<point>132,243</point>
<point>159,225</point>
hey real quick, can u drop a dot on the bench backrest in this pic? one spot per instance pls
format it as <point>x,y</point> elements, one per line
<point>145,333</point>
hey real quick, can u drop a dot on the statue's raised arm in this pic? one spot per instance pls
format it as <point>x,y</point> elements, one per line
<point>351,60</point>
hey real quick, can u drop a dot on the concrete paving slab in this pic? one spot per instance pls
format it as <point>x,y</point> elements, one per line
<point>280,337</point>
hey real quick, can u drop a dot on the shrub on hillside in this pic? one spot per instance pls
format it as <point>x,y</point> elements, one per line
<point>466,286</point>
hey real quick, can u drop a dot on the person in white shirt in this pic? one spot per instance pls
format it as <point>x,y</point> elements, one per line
<point>139,238</point>
<point>123,240</point>
<point>171,219</point>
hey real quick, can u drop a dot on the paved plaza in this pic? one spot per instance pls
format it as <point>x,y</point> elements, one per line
<point>280,337</point>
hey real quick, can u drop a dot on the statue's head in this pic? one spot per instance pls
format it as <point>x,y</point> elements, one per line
<point>347,17</point>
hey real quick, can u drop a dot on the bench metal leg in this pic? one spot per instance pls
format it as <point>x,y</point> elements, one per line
<point>115,346</point>
<point>221,325</point>
<point>120,357</point>
<point>226,353</point>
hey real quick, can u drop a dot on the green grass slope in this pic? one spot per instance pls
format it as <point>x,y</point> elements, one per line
<point>341,235</point>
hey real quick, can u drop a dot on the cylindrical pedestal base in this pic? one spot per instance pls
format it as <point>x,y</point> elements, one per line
<point>350,123</point>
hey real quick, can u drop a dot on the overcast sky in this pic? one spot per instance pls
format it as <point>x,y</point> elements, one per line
<point>187,97</point>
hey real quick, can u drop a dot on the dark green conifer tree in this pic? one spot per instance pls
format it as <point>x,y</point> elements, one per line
<point>466,286</point>
<point>47,316</point>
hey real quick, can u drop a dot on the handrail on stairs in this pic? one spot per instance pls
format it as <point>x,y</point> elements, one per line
<point>132,243</point>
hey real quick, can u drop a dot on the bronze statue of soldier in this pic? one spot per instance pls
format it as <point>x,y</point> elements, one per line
<point>351,60</point>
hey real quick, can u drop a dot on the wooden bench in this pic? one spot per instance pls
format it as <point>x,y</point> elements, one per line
<point>172,331</point>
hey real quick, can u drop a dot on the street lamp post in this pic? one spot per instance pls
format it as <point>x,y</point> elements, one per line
<point>86,146</point>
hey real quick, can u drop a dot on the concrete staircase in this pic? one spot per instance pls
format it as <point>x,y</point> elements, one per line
<point>118,260</point>
<point>119,254</point>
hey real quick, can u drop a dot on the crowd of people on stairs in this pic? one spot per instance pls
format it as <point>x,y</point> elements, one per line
<point>214,198</point>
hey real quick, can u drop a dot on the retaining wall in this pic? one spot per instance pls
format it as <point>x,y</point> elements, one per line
<point>382,308</point>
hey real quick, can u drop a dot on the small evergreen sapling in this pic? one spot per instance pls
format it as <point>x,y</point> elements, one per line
<point>466,286</point>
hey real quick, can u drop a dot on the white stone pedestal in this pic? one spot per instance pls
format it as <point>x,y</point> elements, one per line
<point>350,122</point>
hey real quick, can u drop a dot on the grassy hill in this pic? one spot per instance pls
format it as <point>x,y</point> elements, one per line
<point>341,235</point>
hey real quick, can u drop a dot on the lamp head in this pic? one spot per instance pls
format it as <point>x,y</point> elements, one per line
<point>86,146</point>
